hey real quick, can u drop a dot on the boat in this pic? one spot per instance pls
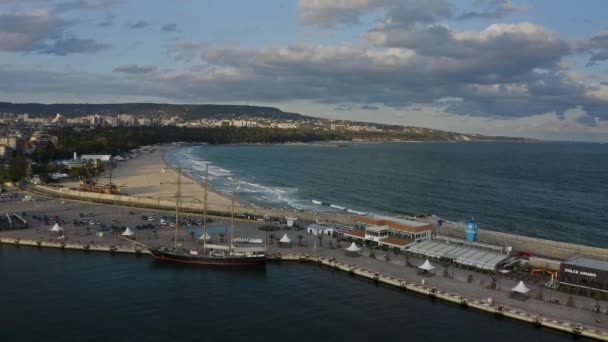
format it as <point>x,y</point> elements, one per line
<point>210,254</point>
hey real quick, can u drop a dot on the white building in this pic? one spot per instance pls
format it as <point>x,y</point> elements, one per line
<point>317,229</point>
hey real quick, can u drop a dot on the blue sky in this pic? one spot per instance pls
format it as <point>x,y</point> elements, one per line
<point>504,67</point>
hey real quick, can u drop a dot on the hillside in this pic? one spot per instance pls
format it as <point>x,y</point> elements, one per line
<point>214,111</point>
<point>188,112</point>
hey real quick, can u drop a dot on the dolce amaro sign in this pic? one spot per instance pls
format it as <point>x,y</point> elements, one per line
<point>583,273</point>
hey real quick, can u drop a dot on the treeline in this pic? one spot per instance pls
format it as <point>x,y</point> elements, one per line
<point>121,139</point>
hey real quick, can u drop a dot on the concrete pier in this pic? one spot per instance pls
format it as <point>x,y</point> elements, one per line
<point>433,292</point>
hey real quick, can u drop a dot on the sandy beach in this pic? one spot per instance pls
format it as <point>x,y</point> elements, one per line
<point>144,177</point>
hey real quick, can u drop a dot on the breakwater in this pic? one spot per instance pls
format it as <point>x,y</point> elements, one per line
<point>542,247</point>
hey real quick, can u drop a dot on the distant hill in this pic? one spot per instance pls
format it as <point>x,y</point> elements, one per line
<point>187,111</point>
<point>214,111</point>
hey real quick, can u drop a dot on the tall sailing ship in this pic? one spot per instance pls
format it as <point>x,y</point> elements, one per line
<point>209,254</point>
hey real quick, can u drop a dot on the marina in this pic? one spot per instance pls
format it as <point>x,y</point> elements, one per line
<point>328,253</point>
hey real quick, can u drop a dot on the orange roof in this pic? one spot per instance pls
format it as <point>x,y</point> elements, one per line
<point>395,241</point>
<point>395,225</point>
<point>354,232</point>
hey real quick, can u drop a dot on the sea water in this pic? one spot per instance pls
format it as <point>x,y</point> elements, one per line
<point>548,190</point>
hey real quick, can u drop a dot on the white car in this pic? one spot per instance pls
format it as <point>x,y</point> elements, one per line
<point>92,223</point>
<point>163,222</point>
<point>150,218</point>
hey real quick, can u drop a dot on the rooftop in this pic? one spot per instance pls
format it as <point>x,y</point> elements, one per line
<point>319,227</point>
<point>395,223</point>
<point>396,241</point>
<point>589,263</point>
<point>355,232</point>
<point>376,228</point>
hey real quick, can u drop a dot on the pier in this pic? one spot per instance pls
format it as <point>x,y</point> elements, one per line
<point>573,320</point>
<point>406,285</point>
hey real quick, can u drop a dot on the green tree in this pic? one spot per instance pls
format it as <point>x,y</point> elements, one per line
<point>16,169</point>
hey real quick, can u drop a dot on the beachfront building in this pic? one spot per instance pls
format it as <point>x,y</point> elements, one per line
<point>397,227</point>
<point>389,231</point>
<point>317,229</point>
<point>94,157</point>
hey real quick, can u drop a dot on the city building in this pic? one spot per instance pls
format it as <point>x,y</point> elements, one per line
<point>5,154</point>
<point>10,141</point>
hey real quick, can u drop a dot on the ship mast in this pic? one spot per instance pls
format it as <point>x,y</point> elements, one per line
<point>178,195</point>
<point>232,220</point>
<point>205,209</point>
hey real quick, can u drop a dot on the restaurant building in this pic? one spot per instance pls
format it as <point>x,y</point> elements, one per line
<point>389,231</point>
<point>585,273</point>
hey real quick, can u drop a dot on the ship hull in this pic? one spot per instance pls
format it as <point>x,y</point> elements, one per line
<point>208,260</point>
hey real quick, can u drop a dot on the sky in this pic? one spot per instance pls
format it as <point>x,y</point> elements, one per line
<point>532,68</point>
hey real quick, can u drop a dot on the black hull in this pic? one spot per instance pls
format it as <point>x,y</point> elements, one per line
<point>208,260</point>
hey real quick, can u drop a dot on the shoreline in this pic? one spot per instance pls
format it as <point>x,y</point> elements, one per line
<point>210,189</point>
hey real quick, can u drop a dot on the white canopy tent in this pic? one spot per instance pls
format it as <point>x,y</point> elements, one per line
<point>353,248</point>
<point>521,288</point>
<point>205,236</point>
<point>128,232</point>
<point>285,241</point>
<point>57,228</point>
<point>426,266</point>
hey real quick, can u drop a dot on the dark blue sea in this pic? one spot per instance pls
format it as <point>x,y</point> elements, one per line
<point>54,295</point>
<point>549,190</point>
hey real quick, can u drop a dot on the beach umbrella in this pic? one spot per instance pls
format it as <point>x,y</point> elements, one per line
<point>128,232</point>
<point>285,239</point>
<point>57,228</point>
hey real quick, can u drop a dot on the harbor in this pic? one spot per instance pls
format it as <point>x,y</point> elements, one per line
<point>82,224</point>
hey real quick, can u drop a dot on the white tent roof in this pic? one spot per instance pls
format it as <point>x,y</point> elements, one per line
<point>521,288</point>
<point>205,236</point>
<point>285,239</point>
<point>353,248</point>
<point>128,232</point>
<point>56,228</point>
<point>427,266</point>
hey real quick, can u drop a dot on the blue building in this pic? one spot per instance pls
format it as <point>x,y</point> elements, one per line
<point>471,230</point>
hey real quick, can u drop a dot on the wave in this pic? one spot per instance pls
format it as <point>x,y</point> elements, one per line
<point>356,212</point>
<point>247,190</point>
